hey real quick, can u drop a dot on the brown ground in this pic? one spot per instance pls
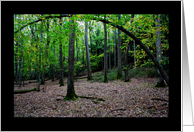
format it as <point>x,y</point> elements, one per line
<point>122,99</point>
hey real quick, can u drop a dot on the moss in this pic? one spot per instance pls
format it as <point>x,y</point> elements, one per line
<point>95,101</point>
<point>162,84</point>
<point>24,91</point>
<point>106,80</point>
<point>127,81</point>
<point>90,79</point>
<point>119,76</point>
<point>71,97</point>
<point>61,85</point>
<point>100,99</point>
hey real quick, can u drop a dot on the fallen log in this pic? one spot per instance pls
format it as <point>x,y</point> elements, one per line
<point>24,91</point>
<point>21,84</point>
<point>33,81</point>
<point>80,77</point>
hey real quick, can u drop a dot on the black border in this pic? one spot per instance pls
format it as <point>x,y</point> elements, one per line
<point>172,123</point>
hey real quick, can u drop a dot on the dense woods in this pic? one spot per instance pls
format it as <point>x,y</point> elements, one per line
<point>77,52</point>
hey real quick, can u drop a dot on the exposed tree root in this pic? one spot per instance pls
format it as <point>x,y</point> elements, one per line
<point>118,109</point>
<point>95,101</point>
<point>159,99</point>
<point>156,107</point>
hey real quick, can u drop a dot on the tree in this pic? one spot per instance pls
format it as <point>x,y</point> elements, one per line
<point>60,58</point>
<point>16,58</point>
<point>134,54</point>
<point>115,49</point>
<point>119,75</point>
<point>109,52</point>
<point>160,82</point>
<point>70,82</point>
<point>105,53</point>
<point>87,51</point>
<point>126,64</point>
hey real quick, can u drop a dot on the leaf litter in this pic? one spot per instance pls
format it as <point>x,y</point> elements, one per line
<point>137,98</point>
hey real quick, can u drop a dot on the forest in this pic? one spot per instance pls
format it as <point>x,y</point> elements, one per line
<point>91,65</point>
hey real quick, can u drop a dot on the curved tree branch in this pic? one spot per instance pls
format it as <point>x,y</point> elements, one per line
<point>162,72</point>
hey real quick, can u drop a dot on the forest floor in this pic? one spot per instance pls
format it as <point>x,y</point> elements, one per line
<point>137,98</point>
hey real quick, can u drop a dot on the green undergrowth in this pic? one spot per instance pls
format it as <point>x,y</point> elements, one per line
<point>137,72</point>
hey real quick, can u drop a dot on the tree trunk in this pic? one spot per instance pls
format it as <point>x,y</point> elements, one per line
<point>134,54</point>
<point>53,67</point>
<point>160,82</point>
<point>126,65</point>
<point>39,71</point>
<point>119,75</point>
<point>105,53</point>
<point>70,83</point>
<point>115,49</point>
<point>77,48</point>
<point>87,51</point>
<point>16,62</point>
<point>109,53</point>
<point>83,52</point>
<point>90,36</point>
<point>60,59</point>
<point>20,68</point>
<point>16,59</point>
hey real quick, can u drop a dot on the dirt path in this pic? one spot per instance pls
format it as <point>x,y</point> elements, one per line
<point>137,98</point>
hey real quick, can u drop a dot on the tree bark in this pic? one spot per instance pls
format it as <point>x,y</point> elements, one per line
<point>126,65</point>
<point>105,53</point>
<point>109,53</point>
<point>60,59</point>
<point>16,62</point>
<point>87,51</point>
<point>90,33</point>
<point>70,82</point>
<point>20,68</point>
<point>77,48</point>
<point>134,54</point>
<point>115,49</point>
<point>119,75</point>
<point>160,82</point>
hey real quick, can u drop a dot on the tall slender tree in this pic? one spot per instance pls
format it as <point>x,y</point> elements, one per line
<point>134,54</point>
<point>160,82</point>
<point>119,75</point>
<point>105,53</point>
<point>109,52</point>
<point>70,82</point>
<point>16,58</point>
<point>115,49</point>
<point>126,64</point>
<point>60,57</point>
<point>87,51</point>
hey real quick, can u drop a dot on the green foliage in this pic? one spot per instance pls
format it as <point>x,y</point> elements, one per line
<point>31,46</point>
<point>141,72</point>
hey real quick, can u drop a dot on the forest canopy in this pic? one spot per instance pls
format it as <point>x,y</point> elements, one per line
<point>41,43</point>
